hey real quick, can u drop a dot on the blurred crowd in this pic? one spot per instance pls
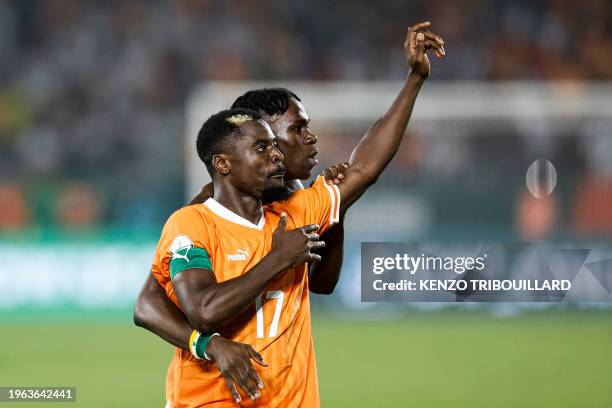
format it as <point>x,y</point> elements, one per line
<point>92,94</point>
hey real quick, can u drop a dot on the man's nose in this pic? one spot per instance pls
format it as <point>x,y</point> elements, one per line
<point>277,156</point>
<point>310,137</point>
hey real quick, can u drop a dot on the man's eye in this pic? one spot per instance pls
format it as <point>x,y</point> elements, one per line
<point>260,148</point>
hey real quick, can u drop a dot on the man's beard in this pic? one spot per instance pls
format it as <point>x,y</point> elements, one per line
<point>276,193</point>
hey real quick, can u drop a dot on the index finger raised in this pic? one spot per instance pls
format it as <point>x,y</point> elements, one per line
<point>420,26</point>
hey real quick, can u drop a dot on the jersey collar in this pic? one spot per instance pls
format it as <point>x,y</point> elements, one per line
<point>229,215</point>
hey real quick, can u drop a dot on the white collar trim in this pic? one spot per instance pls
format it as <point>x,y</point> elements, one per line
<point>229,215</point>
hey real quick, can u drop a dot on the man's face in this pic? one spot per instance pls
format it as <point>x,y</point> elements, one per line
<point>295,140</point>
<point>256,164</point>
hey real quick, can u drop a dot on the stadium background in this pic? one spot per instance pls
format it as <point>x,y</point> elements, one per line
<point>94,145</point>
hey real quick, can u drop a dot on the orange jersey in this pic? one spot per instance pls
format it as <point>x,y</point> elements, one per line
<point>278,323</point>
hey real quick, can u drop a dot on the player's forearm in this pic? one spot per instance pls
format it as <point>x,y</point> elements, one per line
<point>166,322</point>
<point>382,140</point>
<point>158,314</point>
<point>323,275</point>
<point>222,302</point>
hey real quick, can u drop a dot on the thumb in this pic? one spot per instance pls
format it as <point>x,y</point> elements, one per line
<point>420,44</point>
<point>282,222</point>
<point>257,357</point>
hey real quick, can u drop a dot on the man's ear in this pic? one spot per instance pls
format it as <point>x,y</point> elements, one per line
<point>221,163</point>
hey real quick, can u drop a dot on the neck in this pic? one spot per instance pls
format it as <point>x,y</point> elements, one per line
<point>294,185</point>
<point>246,206</point>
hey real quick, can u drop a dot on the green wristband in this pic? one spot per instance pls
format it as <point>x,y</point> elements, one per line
<point>201,344</point>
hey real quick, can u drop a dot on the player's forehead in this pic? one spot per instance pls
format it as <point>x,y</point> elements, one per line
<point>295,113</point>
<point>254,131</point>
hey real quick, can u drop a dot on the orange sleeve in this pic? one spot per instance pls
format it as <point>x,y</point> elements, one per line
<point>318,204</point>
<point>185,227</point>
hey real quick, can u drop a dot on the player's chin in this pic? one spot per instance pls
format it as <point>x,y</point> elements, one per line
<point>305,172</point>
<point>275,182</point>
<point>276,193</point>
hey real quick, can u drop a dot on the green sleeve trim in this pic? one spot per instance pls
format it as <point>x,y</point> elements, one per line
<point>188,258</point>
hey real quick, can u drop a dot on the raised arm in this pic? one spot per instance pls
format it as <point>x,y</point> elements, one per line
<point>209,305</point>
<point>380,143</point>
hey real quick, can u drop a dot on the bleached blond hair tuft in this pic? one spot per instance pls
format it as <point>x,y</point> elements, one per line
<point>239,119</point>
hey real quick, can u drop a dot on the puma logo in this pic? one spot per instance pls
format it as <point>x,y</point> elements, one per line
<point>177,255</point>
<point>240,255</point>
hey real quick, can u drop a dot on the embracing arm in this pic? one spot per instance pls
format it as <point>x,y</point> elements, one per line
<point>205,193</point>
<point>376,149</point>
<point>155,312</point>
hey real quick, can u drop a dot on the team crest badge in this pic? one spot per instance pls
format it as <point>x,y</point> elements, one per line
<point>179,249</point>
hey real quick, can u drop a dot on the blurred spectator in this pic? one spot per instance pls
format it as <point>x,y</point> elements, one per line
<point>14,213</point>
<point>536,218</point>
<point>77,206</point>
<point>592,211</point>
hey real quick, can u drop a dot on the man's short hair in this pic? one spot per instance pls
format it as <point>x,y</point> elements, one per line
<point>271,101</point>
<point>219,133</point>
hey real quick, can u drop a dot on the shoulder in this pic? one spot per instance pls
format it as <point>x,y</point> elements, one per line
<point>186,227</point>
<point>306,198</point>
<point>193,220</point>
<point>319,189</point>
<point>187,211</point>
<point>194,213</point>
